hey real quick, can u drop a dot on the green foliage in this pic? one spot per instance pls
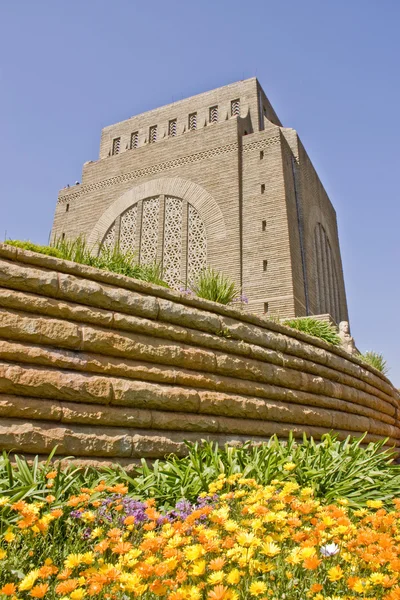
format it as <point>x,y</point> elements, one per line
<point>27,245</point>
<point>215,286</point>
<point>375,360</point>
<point>320,329</point>
<point>333,468</point>
<point>116,261</point>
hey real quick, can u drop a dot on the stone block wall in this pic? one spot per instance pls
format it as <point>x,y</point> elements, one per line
<point>111,368</point>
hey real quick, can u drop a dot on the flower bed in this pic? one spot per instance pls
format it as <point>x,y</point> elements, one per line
<point>252,541</point>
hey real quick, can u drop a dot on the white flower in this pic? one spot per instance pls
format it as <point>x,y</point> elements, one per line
<point>329,550</point>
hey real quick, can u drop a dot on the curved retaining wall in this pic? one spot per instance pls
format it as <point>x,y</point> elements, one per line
<point>112,368</point>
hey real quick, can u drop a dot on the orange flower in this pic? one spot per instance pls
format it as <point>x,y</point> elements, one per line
<point>65,574</point>
<point>102,546</point>
<point>51,475</point>
<point>158,588</point>
<point>95,588</point>
<point>218,593</point>
<point>57,512</point>
<point>119,488</point>
<point>66,587</point>
<point>122,548</point>
<point>315,588</point>
<point>311,563</point>
<point>19,506</point>
<point>217,564</point>
<point>129,520</point>
<point>152,514</point>
<point>39,590</point>
<point>9,589</point>
<point>114,533</point>
<point>47,571</point>
<point>50,499</point>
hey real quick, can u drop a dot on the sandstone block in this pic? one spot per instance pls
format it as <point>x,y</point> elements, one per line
<point>53,384</point>
<point>29,408</point>
<point>85,291</point>
<point>140,394</point>
<point>112,416</point>
<point>20,277</point>
<point>172,312</point>
<point>33,438</point>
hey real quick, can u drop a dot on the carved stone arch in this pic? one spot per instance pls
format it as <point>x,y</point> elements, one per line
<point>193,193</point>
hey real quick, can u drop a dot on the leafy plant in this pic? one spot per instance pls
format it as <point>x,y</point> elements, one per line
<point>215,286</point>
<point>375,360</point>
<point>320,329</point>
<point>333,468</point>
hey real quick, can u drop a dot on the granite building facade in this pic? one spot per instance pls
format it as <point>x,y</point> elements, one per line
<point>215,180</point>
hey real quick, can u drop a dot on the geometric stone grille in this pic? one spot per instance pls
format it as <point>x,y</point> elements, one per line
<point>213,114</point>
<point>172,250</point>
<point>235,108</point>
<point>127,236</point>
<point>149,233</point>
<point>197,245</point>
<point>109,239</point>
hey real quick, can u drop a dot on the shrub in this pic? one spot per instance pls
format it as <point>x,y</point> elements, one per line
<point>375,360</point>
<point>212,285</point>
<point>320,329</point>
<point>113,260</point>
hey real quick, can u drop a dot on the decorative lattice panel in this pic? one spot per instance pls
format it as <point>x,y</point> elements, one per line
<point>214,114</point>
<point>197,245</point>
<point>116,146</point>
<point>235,108</point>
<point>153,134</point>
<point>172,128</point>
<point>149,233</point>
<point>134,139</point>
<point>193,121</point>
<point>172,251</point>
<point>127,236</point>
<point>109,238</point>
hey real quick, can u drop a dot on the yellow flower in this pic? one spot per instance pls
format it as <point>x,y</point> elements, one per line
<point>3,501</point>
<point>307,552</point>
<point>216,577</point>
<point>377,578</point>
<point>257,588</point>
<point>233,577</point>
<point>247,539</point>
<point>194,552</point>
<point>77,594</point>
<point>335,573</point>
<point>374,503</point>
<point>289,466</point>
<point>270,549</point>
<point>198,568</point>
<point>9,536</point>
<point>28,581</point>
<point>231,525</point>
<point>73,560</point>
<point>3,554</point>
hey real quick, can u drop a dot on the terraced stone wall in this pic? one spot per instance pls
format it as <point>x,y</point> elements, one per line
<point>110,368</point>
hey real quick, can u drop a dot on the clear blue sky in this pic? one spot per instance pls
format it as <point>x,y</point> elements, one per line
<point>330,69</point>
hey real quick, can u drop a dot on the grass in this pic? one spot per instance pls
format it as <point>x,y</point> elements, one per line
<point>320,329</point>
<point>374,359</point>
<point>113,260</point>
<point>215,286</point>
